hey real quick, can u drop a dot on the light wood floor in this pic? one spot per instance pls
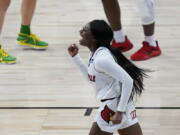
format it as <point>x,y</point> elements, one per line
<point>49,78</point>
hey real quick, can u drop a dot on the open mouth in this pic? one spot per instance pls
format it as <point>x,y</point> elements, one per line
<point>80,40</point>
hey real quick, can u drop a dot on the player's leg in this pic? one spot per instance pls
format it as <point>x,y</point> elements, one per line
<point>4,4</point>
<point>132,130</point>
<point>4,56</point>
<point>150,46</point>
<point>113,14</point>
<point>27,11</point>
<point>25,37</point>
<point>95,130</point>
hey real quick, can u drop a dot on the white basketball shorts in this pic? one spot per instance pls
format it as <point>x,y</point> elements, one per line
<point>107,109</point>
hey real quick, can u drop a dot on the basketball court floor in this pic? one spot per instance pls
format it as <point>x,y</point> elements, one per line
<point>45,94</point>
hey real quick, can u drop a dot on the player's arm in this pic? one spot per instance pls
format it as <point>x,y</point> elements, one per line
<point>73,51</point>
<point>111,68</point>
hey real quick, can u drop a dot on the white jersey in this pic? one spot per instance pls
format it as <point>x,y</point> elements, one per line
<point>108,78</point>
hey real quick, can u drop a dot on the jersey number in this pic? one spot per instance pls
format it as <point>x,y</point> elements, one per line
<point>92,78</point>
<point>133,114</point>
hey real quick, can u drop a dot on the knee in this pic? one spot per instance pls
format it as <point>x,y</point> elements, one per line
<point>146,20</point>
<point>4,5</point>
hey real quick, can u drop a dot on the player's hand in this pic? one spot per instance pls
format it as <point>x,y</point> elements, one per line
<point>73,50</point>
<point>117,117</point>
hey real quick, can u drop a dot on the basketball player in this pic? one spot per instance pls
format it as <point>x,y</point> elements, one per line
<point>25,37</point>
<point>115,79</point>
<point>150,46</point>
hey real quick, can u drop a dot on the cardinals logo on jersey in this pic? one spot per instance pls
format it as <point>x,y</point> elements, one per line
<point>107,113</point>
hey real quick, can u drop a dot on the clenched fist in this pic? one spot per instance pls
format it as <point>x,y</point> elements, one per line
<point>117,117</point>
<point>73,50</point>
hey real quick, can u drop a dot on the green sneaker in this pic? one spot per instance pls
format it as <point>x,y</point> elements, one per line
<point>31,41</point>
<point>5,57</point>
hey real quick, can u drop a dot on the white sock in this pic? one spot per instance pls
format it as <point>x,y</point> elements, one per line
<point>119,36</point>
<point>150,40</point>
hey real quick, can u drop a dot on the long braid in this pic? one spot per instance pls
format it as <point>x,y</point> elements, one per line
<point>103,35</point>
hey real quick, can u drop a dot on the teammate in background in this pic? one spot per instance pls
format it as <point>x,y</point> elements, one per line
<point>25,37</point>
<point>115,79</point>
<point>150,46</point>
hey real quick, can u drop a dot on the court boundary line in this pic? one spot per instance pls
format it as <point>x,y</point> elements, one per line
<point>88,110</point>
<point>78,107</point>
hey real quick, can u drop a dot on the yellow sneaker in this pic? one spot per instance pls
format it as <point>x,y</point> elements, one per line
<point>5,57</point>
<point>31,41</point>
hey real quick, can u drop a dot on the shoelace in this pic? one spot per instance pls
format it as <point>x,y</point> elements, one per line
<point>145,48</point>
<point>3,53</point>
<point>34,37</point>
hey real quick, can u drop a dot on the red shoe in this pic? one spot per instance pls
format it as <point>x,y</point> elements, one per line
<point>123,47</point>
<point>146,52</point>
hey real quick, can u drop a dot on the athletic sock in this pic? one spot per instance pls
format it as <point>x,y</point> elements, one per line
<point>119,36</point>
<point>150,40</point>
<point>25,29</point>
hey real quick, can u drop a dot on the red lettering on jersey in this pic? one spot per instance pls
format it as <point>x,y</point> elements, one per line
<point>107,113</point>
<point>133,114</point>
<point>92,78</point>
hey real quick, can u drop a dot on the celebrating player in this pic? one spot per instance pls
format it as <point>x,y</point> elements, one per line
<point>115,79</point>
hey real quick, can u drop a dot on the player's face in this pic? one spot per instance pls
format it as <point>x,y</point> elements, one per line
<point>86,36</point>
